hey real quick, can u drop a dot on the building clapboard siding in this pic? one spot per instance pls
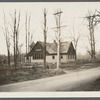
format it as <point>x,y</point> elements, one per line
<point>36,52</point>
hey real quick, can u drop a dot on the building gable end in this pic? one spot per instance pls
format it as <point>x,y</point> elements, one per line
<point>71,49</point>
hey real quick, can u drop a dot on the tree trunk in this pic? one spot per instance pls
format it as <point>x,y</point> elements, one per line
<point>45,54</point>
<point>8,57</point>
<point>45,36</point>
<point>26,39</point>
<point>14,40</point>
<point>16,49</point>
<point>92,44</point>
<point>75,54</point>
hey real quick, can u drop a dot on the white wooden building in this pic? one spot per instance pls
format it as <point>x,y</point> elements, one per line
<point>36,53</point>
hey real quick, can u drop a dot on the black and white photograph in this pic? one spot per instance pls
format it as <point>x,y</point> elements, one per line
<point>49,47</point>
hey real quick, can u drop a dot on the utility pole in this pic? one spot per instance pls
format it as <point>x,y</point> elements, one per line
<point>58,19</point>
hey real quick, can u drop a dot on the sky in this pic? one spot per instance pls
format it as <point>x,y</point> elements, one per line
<point>72,17</point>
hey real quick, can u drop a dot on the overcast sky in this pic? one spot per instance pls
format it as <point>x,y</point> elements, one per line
<point>72,16</point>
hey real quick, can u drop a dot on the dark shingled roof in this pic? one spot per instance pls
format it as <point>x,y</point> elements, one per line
<point>51,48</point>
<point>31,45</point>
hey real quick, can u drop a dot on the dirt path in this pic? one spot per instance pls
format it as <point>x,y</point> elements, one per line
<point>58,83</point>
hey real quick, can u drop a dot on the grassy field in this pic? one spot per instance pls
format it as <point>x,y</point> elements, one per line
<point>75,66</point>
<point>19,75</point>
<point>11,75</point>
<point>90,86</point>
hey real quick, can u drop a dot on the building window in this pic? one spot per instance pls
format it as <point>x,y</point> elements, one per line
<point>73,56</point>
<point>41,56</point>
<point>53,57</point>
<point>38,49</point>
<point>38,56</point>
<point>61,56</point>
<point>33,57</point>
<point>68,56</point>
<point>27,58</point>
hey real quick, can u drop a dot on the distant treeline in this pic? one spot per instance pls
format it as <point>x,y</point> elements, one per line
<point>86,57</point>
<point>3,58</point>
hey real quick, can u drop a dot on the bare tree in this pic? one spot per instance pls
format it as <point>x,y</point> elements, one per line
<point>45,35</point>
<point>20,53</point>
<point>17,37</point>
<point>93,19</point>
<point>7,37</point>
<point>28,34</point>
<point>75,37</point>
<point>15,31</point>
<point>16,23</point>
<point>14,35</point>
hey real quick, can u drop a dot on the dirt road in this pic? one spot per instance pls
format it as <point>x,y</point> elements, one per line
<point>57,83</point>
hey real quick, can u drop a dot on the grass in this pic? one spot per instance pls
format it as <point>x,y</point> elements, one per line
<point>19,75</point>
<point>90,86</point>
<point>12,75</point>
<point>75,66</point>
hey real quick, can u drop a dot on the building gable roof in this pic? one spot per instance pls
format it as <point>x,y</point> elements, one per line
<point>51,48</point>
<point>31,45</point>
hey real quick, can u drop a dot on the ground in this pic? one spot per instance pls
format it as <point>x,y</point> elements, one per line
<point>25,74</point>
<point>90,86</point>
<point>65,82</point>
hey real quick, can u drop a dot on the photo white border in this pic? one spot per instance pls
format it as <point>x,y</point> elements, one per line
<point>72,94</point>
<point>49,94</point>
